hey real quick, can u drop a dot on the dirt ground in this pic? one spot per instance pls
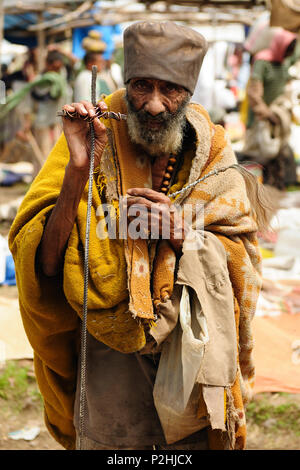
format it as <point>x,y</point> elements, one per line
<point>30,414</point>
<point>24,409</point>
<point>7,194</point>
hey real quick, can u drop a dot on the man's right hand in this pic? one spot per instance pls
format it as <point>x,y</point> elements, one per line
<point>77,133</point>
<point>63,216</point>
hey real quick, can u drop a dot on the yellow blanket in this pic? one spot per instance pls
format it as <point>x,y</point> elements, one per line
<point>119,273</point>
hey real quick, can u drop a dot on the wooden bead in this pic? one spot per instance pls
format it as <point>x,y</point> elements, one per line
<point>168,174</point>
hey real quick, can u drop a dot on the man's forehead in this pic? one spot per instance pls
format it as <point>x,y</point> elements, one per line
<point>155,81</point>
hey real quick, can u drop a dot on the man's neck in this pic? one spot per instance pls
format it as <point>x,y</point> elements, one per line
<point>159,164</point>
<point>158,167</point>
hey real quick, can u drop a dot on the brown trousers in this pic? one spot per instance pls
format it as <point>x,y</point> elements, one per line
<point>197,441</point>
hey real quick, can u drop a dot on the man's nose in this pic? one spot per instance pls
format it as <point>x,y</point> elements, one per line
<point>154,104</point>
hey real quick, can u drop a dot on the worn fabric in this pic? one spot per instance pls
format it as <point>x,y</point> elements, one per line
<point>130,419</point>
<point>163,50</point>
<point>204,270</point>
<point>51,308</point>
<point>136,424</point>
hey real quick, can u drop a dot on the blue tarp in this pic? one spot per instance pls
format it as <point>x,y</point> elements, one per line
<point>16,25</point>
<point>16,31</point>
<point>10,274</point>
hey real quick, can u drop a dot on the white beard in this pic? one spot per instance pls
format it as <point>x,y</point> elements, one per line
<point>168,139</point>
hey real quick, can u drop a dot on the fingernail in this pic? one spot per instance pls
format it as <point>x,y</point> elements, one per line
<point>102,105</point>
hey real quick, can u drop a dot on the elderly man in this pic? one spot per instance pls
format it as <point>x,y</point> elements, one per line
<point>170,160</point>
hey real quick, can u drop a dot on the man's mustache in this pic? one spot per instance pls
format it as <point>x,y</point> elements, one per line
<point>144,117</point>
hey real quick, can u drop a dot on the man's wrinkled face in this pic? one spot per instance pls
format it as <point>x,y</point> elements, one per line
<point>156,114</point>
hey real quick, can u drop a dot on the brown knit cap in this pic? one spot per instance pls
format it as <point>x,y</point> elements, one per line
<point>163,50</point>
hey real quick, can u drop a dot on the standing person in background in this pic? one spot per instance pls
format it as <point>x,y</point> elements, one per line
<point>95,48</point>
<point>68,71</point>
<point>112,75</point>
<point>47,100</point>
<point>82,85</point>
<point>267,104</point>
<point>22,118</point>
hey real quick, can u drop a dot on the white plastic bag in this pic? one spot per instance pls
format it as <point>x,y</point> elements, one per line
<point>194,337</point>
<point>176,394</point>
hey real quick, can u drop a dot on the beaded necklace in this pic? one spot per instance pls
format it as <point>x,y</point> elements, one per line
<point>168,174</point>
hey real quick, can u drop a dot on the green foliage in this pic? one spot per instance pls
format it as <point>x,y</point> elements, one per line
<point>285,416</point>
<point>18,384</point>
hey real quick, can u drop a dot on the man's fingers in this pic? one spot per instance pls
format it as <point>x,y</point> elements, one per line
<point>69,107</point>
<point>99,127</point>
<point>80,108</point>
<point>85,108</point>
<point>144,192</point>
<point>161,206</point>
<point>102,106</point>
<point>149,194</point>
<point>89,107</point>
<point>139,201</point>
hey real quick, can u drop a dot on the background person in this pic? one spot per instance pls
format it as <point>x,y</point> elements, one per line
<point>82,85</point>
<point>268,103</point>
<point>46,101</point>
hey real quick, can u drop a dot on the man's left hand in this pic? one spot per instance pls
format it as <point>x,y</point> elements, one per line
<point>160,213</point>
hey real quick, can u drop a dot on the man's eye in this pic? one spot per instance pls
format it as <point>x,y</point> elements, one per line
<point>141,85</point>
<point>171,87</point>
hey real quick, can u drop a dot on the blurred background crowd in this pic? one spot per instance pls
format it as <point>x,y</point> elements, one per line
<point>249,83</point>
<point>35,94</point>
